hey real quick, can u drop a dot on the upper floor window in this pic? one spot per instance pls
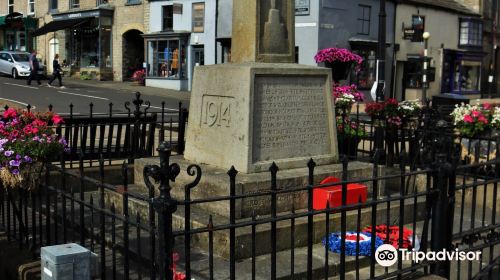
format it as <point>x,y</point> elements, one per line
<point>198,17</point>
<point>31,7</point>
<point>364,17</point>
<point>10,7</point>
<point>53,4</point>
<point>168,18</point>
<point>418,25</point>
<point>471,32</point>
<point>99,2</point>
<point>75,4</point>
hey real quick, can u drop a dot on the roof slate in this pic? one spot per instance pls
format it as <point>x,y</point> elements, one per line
<point>451,5</point>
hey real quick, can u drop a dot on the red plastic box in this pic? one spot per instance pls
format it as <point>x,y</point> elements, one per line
<point>333,194</point>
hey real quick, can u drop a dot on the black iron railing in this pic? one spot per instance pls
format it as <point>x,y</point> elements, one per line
<point>276,232</point>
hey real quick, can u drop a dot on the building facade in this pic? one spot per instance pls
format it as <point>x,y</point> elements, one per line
<point>455,48</point>
<point>95,39</point>
<point>182,36</point>
<point>17,21</point>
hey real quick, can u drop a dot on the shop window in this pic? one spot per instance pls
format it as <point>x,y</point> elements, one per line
<point>168,18</point>
<point>106,46</point>
<point>471,32</point>
<point>418,25</point>
<point>75,4</point>
<point>364,16</point>
<point>31,7</point>
<point>198,17</point>
<point>11,6</point>
<point>366,76</point>
<point>167,58</point>
<point>467,76</point>
<point>53,4</point>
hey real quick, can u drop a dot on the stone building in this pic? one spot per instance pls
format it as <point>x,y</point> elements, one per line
<point>351,24</point>
<point>95,39</point>
<point>17,21</point>
<point>455,48</point>
<point>489,11</point>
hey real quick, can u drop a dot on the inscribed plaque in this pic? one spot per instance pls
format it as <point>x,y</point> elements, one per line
<point>290,118</point>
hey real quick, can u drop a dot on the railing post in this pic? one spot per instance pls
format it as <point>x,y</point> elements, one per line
<point>183,115</point>
<point>165,206</point>
<point>442,222</point>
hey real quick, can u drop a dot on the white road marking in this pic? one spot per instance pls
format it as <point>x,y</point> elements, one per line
<point>25,86</point>
<point>18,102</point>
<point>166,109</point>
<point>83,95</point>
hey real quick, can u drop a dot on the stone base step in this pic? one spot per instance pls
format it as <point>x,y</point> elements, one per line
<point>214,182</point>
<point>200,219</point>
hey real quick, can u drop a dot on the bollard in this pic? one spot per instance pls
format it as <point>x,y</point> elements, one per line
<point>67,261</point>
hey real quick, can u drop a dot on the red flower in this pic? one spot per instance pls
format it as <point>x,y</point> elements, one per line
<point>468,119</point>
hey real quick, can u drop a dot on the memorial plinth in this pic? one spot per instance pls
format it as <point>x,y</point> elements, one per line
<point>251,114</point>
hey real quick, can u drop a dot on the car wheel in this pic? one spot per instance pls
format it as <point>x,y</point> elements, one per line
<point>15,75</point>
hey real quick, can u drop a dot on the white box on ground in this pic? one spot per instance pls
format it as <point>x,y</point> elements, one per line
<point>66,261</point>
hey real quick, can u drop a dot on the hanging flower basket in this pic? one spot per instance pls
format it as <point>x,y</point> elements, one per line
<point>339,60</point>
<point>340,70</point>
<point>27,140</point>
<point>28,178</point>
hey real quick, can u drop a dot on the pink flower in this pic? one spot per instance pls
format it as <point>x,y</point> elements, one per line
<point>468,119</point>
<point>10,113</point>
<point>476,114</point>
<point>487,106</point>
<point>57,119</point>
<point>483,120</point>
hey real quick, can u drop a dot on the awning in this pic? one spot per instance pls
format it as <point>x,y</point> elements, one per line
<point>58,25</point>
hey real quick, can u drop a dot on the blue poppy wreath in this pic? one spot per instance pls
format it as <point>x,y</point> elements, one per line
<point>351,241</point>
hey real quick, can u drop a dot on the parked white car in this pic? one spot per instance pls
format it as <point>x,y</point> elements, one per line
<point>17,64</point>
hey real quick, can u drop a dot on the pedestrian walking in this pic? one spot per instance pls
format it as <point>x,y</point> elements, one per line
<point>34,67</point>
<point>57,71</point>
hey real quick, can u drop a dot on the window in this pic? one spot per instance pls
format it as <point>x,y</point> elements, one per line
<point>198,17</point>
<point>53,4</point>
<point>364,15</point>
<point>11,6</point>
<point>75,4</point>
<point>166,58</point>
<point>471,32</point>
<point>467,76</point>
<point>365,77</point>
<point>418,25</point>
<point>168,18</point>
<point>100,2</point>
<point>31,7</point>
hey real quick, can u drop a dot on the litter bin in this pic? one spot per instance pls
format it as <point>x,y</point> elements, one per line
<point>445,103</point>
<point>66,261</point>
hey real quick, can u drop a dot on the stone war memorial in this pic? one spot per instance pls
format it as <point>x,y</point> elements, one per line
<point>259,109</point>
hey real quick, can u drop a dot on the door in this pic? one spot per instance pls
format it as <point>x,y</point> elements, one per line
<point>4,63</point>
<point>53,50</point>
<point>198,56</point>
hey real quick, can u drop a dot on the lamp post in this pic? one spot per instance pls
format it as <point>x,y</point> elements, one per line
<point>425,83</point>
<point>380,90</point>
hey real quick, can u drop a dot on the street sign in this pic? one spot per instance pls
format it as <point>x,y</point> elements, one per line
<point>408,34</point>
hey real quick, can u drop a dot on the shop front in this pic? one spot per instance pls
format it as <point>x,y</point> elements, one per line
<point>461,72</point>
<point>83,41</point>
<point>15,32</point>
<point>166,60</point>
